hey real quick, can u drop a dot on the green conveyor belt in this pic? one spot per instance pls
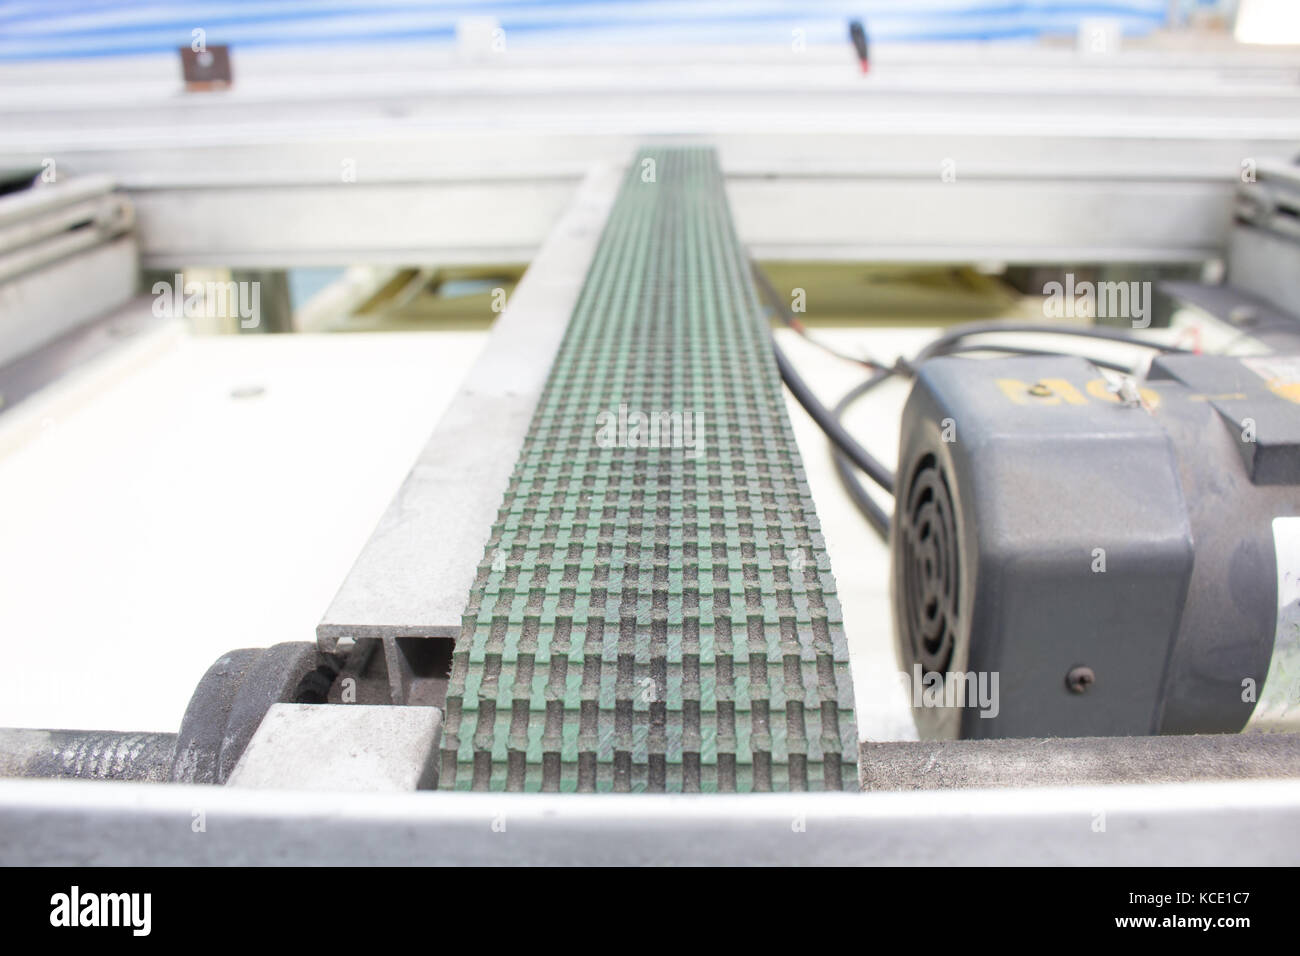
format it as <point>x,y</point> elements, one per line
<point>655,609</point>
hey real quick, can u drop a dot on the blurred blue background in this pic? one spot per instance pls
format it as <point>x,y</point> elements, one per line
<point>55,29</point>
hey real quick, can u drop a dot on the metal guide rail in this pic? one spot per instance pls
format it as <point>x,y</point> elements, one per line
<point>655,609</point>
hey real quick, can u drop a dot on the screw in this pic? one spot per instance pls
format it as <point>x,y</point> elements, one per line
<point>1080,679</point>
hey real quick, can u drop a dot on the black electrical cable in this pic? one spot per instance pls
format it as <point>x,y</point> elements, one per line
<point>792,322</point>
<point>945,345</point>
<point>960,332</point>
<point>847,453</point>
<point>1021,350</point>
<point>950,343</point>
<point>833,429</point>
<point>876,516</point>
<point>821,415</point>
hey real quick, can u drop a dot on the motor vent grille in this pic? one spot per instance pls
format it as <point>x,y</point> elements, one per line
<point>930,567</point>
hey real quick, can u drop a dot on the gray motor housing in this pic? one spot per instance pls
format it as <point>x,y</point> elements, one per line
<point>1112,561</point>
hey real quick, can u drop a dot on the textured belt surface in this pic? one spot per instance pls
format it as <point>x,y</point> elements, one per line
<point>655,609</point>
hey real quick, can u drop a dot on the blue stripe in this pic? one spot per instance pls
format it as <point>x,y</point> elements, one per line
<point>288,12</point>
<point>505,14</point>
<point>266,26</point>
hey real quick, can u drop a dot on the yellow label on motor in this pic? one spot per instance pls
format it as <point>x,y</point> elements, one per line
<point>1059,391</point>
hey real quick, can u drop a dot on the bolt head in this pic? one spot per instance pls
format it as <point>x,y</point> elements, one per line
<point>1080,679</point>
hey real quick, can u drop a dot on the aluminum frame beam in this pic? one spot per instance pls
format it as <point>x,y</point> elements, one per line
<point>1253,823</point>
<point>1057,157</point>
<point>402,585</point>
